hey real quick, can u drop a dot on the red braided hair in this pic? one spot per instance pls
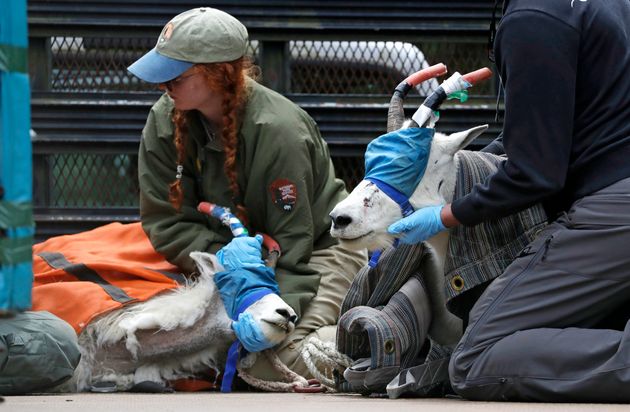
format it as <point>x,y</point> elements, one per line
<point>175,192</point>
<point>226,79</point>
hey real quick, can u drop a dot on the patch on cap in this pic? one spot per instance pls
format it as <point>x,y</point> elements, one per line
<point>283,194</point>
<point>168,32</point>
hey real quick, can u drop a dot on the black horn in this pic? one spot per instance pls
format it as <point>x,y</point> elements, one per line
<point>396,113</point>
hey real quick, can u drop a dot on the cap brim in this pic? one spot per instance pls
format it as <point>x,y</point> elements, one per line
<point>154,67</point>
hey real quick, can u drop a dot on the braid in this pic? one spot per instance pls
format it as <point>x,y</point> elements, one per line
<point>231,103</point>
<point>175,192</point>
<point>228,79</point>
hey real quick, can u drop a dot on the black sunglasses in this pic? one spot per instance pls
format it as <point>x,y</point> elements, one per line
<point>172,83</point>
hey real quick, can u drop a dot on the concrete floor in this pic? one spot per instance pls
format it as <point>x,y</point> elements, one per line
<point>270,402</point>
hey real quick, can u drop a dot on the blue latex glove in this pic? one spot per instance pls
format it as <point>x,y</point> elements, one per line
<point>420,225</point>
<point>241,252</point>
<point>249,333</point>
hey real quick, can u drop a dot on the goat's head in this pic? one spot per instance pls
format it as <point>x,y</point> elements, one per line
<point>274,316</point>
<point>361,220</point>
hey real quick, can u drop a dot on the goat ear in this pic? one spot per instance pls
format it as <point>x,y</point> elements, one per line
<point>206,261</point>
<point>457,141</point>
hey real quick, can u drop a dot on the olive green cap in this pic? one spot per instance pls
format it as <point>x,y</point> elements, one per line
<point>203,35</point>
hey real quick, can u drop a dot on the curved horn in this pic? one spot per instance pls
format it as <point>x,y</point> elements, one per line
<point>396,113</point>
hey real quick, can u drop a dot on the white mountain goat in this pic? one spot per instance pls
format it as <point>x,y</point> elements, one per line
<point>171,336</point>
<point>361,220</point>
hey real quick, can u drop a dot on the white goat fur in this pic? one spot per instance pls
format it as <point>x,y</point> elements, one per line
<point>371,212</point>
<point>112,349</point>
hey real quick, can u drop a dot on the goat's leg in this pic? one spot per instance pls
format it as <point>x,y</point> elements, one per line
<point>182,349</point>
<point>155,345</point>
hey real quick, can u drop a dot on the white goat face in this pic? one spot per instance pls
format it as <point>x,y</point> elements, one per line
<point>361,220</point>
<point>275,318</point>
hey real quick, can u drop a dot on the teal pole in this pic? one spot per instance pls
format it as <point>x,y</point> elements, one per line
<point>16,221</point>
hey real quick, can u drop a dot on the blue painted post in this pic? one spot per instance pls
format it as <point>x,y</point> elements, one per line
<point>16,220</point>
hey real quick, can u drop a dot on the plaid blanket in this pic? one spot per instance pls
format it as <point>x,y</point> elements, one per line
<point>477,254</point>
<point>380,321</point>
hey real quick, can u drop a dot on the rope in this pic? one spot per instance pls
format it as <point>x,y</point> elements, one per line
<point>322,359</point>
<point>292,380</point>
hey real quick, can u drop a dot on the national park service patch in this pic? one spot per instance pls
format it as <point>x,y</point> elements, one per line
<point>283,194</point>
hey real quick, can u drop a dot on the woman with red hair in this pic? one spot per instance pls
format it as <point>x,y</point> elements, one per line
<point>218,136</point>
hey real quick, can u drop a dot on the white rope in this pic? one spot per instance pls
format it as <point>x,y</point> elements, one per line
<point>292,379</point>
<point>322,359</point>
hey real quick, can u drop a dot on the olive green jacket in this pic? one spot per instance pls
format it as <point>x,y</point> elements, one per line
<point>285,175</point>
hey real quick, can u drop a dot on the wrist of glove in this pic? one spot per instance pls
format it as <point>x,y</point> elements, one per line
<point>241,252</point>
<point>419,226</point>
<point>250,334</point>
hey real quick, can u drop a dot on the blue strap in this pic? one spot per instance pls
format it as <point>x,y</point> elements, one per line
<point>375,257</point>
<point>395,195</point>
<point>251,299</point>
<point>233,352</point>
<point>230,368</point>
<point>403,203</point>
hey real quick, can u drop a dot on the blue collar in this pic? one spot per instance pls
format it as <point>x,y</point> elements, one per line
<point>394,194</point>
<point>403,203</point>
<point>251,299</point>
<point>376,255</point>
<point>233,352</point>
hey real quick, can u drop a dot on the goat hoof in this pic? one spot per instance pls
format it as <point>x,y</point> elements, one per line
<point>150,387</point>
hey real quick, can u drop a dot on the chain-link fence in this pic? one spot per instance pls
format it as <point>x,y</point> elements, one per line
<point>89,65</point>
<point>350,169</point>
<point>79,180</point>
<point>84,64</point>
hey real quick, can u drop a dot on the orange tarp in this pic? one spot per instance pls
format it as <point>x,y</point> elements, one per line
<point>121,254</point>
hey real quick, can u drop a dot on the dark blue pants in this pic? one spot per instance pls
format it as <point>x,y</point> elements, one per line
<point>533,333</point>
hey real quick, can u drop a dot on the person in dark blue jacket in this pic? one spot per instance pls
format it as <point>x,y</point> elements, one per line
<point>537,332</point>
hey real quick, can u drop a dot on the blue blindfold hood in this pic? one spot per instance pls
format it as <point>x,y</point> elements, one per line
<point>238,284</point>
<point>399,158</point>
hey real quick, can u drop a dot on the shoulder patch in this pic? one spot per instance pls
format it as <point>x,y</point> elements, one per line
<point>283,194</point>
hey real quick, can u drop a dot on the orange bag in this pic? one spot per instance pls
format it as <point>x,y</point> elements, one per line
<point>81,276</point>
